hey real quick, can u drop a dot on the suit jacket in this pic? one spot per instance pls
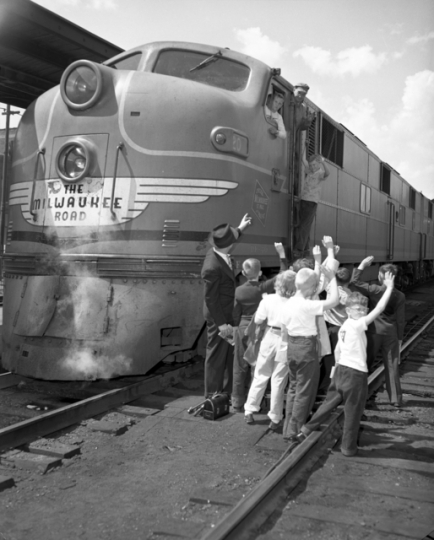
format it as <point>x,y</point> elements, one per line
<point>219,282</point>
<point>249,294</point>
<point>394,314</point>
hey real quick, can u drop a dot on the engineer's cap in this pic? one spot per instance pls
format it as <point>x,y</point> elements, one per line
<point>302,85</point>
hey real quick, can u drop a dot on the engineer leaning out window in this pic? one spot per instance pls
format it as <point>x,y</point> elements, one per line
<point>274,104</point>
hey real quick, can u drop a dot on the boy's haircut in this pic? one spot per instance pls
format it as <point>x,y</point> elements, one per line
<point>343,276</point>
<point>306,279</point>
<point>389,267</point>
<point>251,268</point>
<point>356,299</point>
<point>285,283</point>
<point>303,263</point>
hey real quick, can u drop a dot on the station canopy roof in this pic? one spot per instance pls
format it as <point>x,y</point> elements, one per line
<point>36,46</point>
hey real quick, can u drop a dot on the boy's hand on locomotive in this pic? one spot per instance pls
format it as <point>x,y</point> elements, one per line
<point>245,222</point>
<point>366,262</point>
<point>280,249</point>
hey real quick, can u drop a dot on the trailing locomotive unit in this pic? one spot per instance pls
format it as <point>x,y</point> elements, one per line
<point>118,175</point>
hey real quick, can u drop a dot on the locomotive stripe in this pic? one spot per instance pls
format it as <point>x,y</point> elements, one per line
<point>179,153</point>
<point>120,236</point>
<point>224,184</point>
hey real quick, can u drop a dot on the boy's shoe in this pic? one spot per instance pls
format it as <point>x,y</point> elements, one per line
<point>273,426</point>
<point>249,418</point>
<point>291,440</point>
<point>348,453</point>
<point>238,409</point>
<point>301,437</point>
<point>397,404</point>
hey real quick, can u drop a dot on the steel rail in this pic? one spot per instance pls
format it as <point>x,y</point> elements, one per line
<point>46,423</point>
<point>259,501</point>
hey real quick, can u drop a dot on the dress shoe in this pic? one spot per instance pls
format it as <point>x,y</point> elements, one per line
<point>249,418</point>
<point>348,453</point>
<point>291,440</point>
<point>273,426</point>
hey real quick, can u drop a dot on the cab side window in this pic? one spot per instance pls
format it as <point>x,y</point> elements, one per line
<point>274,112</point>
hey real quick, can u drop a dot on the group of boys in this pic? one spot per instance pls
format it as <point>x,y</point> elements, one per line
<point>362,319</point>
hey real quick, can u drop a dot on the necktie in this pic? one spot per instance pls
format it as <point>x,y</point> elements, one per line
<point>230,263</point>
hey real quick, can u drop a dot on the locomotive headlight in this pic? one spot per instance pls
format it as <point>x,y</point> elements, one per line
<point>81,85</point>
<point>74,160</point>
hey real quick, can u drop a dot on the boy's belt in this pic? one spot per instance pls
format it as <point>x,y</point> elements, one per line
<point>274,327</point>
<point>302,337</point>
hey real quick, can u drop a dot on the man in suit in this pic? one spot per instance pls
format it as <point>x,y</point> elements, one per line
<point>219,280</point>
<point>387,331</point>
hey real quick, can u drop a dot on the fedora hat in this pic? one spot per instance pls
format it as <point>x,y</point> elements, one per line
<point>223,236</point>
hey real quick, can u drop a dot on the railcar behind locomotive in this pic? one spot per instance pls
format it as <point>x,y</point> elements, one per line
<point>119,173</point>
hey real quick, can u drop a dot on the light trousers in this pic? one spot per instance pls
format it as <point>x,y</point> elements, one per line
<point>271,364</point>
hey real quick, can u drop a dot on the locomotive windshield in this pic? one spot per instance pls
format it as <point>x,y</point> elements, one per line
<point>214,70</point>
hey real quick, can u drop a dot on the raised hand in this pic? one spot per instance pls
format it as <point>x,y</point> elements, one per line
<point>245,222</point>
<point>389,279</point>
<point>280,249</point>
<point>316,252</point>
<point>366,262</point>
<point>327,242</point>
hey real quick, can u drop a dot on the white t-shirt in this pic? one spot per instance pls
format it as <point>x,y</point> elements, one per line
<point>351,348</point>
<point>299,315</point>
<point>312,185</point>
<point>270,309</point>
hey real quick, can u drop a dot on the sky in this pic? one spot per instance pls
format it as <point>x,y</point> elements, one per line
<point>369,63</point>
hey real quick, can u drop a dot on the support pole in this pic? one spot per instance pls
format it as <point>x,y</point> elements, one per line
<point>4,189</point>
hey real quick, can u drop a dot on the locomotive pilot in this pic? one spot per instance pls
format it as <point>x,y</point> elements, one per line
<point>219,279</point>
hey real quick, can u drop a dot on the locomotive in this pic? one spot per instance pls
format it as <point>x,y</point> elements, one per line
<point>118,175</point>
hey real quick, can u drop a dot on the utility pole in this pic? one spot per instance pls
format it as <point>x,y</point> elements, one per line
<point>6,112</point>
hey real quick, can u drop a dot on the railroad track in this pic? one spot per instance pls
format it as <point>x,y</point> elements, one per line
<point>99,400</point>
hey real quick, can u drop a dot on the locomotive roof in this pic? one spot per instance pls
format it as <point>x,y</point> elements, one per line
<point>36,46</point>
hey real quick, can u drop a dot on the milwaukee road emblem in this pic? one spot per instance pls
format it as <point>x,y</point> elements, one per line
<point>260,203</point>
<point>95,201</point>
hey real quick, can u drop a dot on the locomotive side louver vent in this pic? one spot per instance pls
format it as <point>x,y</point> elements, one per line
<point>171,232</point>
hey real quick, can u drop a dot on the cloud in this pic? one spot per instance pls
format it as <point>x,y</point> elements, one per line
<point>404,140</point>
<point>256,44</point>
<point>393,28</point>
<point>353,61</point>
<point>420,39</point>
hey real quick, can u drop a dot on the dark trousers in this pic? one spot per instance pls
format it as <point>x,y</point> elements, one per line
<point>349,386</point>
<point>327,362</point>
<point>218,362</point>
<point>389,346</point>
<point>303,382</point>
<point>306,216</point>
<point>242,377</point>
